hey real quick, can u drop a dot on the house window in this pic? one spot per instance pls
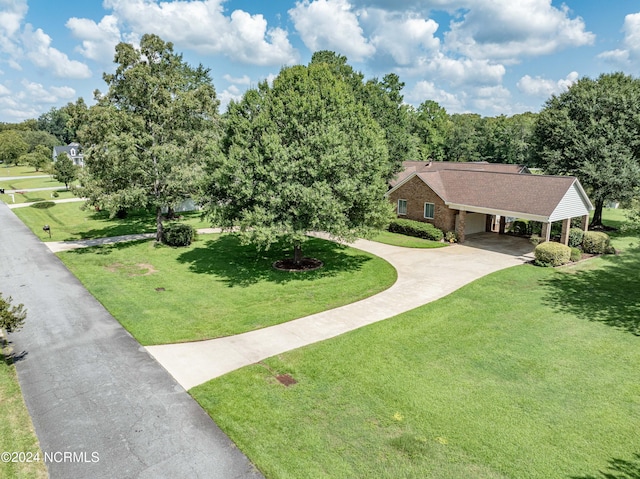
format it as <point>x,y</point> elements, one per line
<point>429,210</point>
<point>402,207</point>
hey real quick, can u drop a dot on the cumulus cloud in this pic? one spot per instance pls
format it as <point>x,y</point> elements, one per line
<point>4,90</point>
<point>44,56</point>
<point>12,13</point>
<point>202,26</point>
<point>331,25</point>
<point>542,87</point>
<point>426,90</point>
<point>243,80</point>
<point>43,95</point>
<point>98,39</point>
<point>629,55</point>
<point>507,30</point>
<point>404,37</point>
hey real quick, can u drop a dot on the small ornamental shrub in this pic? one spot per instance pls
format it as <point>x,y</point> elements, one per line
<point>55,194</point>
<point>535,240</point>
<point>451,237</point>
<point>575,237</point>
<point>177,234</point>
<point>521,227</point>
<point>11,317</point>
<point>610,250</point>
<point>576,255</point>
<point>417,229</point>
<point>595,242</point>
<point>552,254</point>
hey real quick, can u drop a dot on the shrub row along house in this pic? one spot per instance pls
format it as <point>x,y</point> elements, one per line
<point>479,197</point>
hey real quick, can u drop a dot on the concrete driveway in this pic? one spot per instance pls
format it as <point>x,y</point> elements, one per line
<point>101,406</point>
<point>424,275</point>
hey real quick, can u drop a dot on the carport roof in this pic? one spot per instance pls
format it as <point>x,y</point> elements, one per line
<point>508,193</point>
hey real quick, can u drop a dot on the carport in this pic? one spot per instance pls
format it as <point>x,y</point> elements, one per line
<point>545,199</point>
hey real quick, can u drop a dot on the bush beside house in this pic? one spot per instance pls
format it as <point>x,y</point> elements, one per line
<point>178,234</point>
<point>595,242</point>
<point>417,229</point>
<point>552,254</point>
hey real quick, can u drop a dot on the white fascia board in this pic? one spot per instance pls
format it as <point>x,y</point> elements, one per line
<point>491,211</point>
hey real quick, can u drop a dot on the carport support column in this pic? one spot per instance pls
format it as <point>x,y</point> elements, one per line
<point>503,224</point>
<point>564,236</point>
<point>462,219</point>
<point>585,223</point>
<point>546,232</point>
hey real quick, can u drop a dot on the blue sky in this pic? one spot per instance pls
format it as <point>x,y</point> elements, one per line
<point>489,57</point>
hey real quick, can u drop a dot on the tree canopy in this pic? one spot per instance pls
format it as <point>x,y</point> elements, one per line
<point>303,155</point>
<point>12,146</point>
<point>591,131</point>
<point>146,139</point>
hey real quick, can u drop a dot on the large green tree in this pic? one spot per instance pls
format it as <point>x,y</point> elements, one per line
<point>431,125</point>
<point>146,139</point>
<point>303,155</point>
<point>592,131</point>
<point>39,158</point>
<point>64,170</point>
<point>12,146</point>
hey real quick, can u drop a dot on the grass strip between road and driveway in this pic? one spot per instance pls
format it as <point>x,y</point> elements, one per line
<point>219,287</point>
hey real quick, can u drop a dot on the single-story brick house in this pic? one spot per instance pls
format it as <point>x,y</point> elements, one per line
<point>477,197</point>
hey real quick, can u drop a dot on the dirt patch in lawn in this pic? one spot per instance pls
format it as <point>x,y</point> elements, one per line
<point>306,264</point>
<point>140,269</point>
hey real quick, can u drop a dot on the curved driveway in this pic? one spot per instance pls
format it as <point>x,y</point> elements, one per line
<point>101,406</point>
<point>424,275</point>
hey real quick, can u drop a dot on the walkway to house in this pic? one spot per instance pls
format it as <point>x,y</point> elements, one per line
<point>101,406</point>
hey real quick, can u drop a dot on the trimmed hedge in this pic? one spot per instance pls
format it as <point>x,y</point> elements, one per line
<point>576,254</point>
<point>576,235</point>
<point>178,234</point>
<point>417,229</point>
<point>552,254</point>
<point>595,242</point>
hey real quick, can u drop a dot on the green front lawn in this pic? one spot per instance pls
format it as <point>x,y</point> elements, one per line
<point>16,431</point>
<point>395,239</point>
<point>23,170</point>
<point>27,183</point>
<point>217,287</point>
<point>35,196</point>
<point>538,383</point>
<point>68,221</point>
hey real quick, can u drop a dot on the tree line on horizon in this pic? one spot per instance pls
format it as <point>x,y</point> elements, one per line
<point>317,147</point>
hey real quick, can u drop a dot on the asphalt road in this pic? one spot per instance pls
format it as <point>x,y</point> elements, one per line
<point>102,407</point>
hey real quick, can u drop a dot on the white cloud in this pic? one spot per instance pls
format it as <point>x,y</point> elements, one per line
<point>425,90</point>
<point>629,55</point>
<point>403,37</point>
<point>331,25</point>
<point>542,87</point>
<point>98,39</point>
<point>39,51</point>
<point>508,30</point>
<point>458,72</point>
<point>4,91</point>
<point>40,94</point>
<point>201,25</point>
<point>12,13</point>
<point>229,94</point>
<point>243,80</point>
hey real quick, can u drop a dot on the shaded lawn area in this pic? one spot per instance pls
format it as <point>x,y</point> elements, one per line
<point>217,287</point>
<point>34,196</point>
<point>27,182</point>
<point>68,221</point>
<point>395,239</point>
<point>16,430</point>
<point>479,384</point>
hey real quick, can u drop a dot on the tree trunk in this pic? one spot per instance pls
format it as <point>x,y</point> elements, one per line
<point>159,224</point>
<point>297,253</point>
<point>597,214</point>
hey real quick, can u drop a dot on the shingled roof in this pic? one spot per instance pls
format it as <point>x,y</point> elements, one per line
<point>498,189</point>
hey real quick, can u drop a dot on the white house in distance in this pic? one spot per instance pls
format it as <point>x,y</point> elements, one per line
<point>73,150</point>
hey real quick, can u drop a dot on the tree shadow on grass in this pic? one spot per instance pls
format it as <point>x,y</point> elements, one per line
<point>106,249</point>
<point>618,469</point>
<point>244,265</point>
<point>608,294</point>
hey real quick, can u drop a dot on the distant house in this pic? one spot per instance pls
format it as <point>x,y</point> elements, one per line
<point>479,197</point>
<point>73,150</point>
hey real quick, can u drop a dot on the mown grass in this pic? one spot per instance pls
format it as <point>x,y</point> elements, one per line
<point>538,383</point>
<point>26,183</point>
<point>35,196</point>
<point>16,429</point>
<point>68,221</point>
<point>395,239</point>
<point>23,170</point>
<point>218,287</point>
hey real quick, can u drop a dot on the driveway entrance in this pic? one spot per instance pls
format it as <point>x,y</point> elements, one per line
<point>506,244</point>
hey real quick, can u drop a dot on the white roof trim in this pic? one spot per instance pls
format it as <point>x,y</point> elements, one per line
<point>493,211</point>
